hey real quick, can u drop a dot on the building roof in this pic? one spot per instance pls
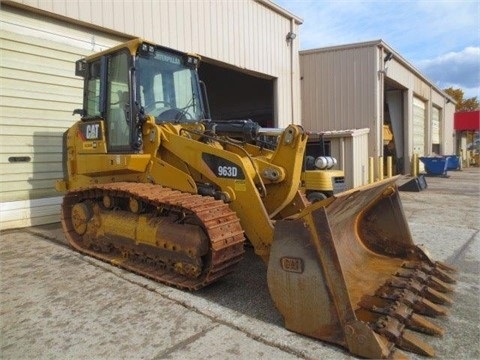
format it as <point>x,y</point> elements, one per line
<point>388,49</point>
<point>279,10</point>
<point>466,120</point>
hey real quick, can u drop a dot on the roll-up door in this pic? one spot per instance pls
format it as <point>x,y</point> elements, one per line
<point>419,128</point>
<point>39,92</point>
<point>436,130</point>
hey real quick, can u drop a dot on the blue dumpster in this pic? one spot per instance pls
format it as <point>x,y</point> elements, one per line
<point>453,162</point>
<point>435,165</point>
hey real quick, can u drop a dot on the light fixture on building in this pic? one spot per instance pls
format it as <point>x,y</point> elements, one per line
<point>290,36</point>
<point>388,57</point>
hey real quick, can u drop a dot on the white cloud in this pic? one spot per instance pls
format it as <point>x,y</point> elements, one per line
<point>456,69</point>
<point>414,28</point>
<point>430,34</point>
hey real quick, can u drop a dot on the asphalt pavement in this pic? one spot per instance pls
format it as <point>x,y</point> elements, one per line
<point>58,304</point>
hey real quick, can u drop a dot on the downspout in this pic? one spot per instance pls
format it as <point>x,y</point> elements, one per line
<point>292,90</point>
<point>290,37</point>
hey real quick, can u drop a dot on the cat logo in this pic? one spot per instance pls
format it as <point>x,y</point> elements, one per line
<point>90,131</point>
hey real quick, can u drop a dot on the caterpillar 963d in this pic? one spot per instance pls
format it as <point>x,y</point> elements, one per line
<point>153,186</point>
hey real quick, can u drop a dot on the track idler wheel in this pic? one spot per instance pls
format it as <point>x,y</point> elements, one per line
<point>81,215</point>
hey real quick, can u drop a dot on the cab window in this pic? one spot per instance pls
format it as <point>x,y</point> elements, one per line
<point>118,112</point>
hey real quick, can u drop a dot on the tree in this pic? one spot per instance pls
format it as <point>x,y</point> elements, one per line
<point>469,104</point>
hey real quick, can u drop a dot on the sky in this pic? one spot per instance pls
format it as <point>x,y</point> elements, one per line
<point>441,38</point>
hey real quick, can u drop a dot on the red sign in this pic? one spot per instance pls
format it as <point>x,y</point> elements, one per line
<point>467,120</point>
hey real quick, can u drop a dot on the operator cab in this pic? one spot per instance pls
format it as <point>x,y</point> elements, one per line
<point>167,85</point>
<point>126,83</point>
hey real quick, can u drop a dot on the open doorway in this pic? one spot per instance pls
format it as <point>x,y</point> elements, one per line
<point>394,125</point>
<point>235,95</point>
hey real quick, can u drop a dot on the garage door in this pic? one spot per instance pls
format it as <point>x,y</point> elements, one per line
<point>39,92</point>
<point>436,130</point>
<point>419,128</point>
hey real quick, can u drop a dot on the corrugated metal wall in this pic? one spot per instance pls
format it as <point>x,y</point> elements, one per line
<point>350,148</point>
<point>247,34</point>
<point>338,88</point>
<point>39,92</point>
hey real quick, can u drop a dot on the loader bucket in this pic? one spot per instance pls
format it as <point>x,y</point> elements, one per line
<point>346,271</point>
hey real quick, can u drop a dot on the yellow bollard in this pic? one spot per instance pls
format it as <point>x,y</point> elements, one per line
<point>413,170</point>
<point>380,167</point>
<point>389,166</point>
<point>370,170</point>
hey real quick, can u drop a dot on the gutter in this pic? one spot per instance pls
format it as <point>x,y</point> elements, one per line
<point>279,10</point>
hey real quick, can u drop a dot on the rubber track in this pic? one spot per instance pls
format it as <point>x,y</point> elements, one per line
<point>220,222</point>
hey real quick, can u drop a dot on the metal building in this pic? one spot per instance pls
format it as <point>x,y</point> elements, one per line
<point>370,85</point>
<point>250,67</point>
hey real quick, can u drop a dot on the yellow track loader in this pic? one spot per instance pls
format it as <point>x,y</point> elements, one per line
<point>154,186</point>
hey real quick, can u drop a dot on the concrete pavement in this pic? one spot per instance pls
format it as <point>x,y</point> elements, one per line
<point>58,304</point>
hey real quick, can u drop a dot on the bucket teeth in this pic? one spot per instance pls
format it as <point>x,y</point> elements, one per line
<point>440,270</point>
<point>410,342</point>
<point>394,331</point>
<point>402,312</point>
<point>420,323</point>
<point>420,289</point>
<point>439,285</point>
<point>446,267</point>
<point>444,276</point>
<point>398,355</point>
<point>418,303</point>
<point>424,278</point>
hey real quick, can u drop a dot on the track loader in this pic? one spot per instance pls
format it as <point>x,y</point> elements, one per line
<point>153,186</point>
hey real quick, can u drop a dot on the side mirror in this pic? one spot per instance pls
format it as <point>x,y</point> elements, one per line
<point>80,112</point>
<point>80,68</point>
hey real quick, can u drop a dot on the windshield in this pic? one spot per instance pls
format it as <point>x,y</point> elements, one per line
<point>167,88</point>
